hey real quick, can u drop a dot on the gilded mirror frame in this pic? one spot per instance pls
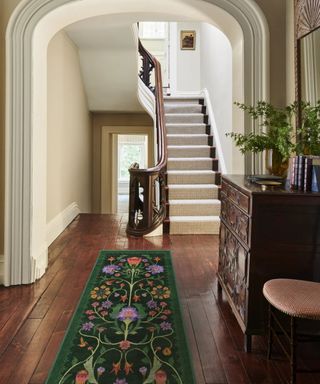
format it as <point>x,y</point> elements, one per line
<point>307,20</point>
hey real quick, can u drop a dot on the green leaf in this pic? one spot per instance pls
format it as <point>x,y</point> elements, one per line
<point>103,350</point>
<point>88,366</point>
<point>141,310</point>
<point>155,367</point>
<point>144,360</point>
<point>74,361</point>
<point>115,311</point>
<point>100,361</point>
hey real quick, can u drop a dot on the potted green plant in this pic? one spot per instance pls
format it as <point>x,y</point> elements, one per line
<point>308,133</point>
<point>277,139</point>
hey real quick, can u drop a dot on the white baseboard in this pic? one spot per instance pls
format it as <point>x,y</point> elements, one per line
<point>1,269</point>
<point>58,224</point>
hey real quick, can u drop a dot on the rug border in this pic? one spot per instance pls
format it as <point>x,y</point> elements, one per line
<point>180,330</point>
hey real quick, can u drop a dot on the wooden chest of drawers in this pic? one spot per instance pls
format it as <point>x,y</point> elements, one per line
<point>264,235</point>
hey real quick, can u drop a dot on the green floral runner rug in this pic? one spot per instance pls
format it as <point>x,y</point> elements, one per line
<point>127,328</point>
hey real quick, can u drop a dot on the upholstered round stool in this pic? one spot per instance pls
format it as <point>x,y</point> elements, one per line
<point>297,299</point>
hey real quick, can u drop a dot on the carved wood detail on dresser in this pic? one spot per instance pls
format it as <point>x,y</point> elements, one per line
<point>264,235</point>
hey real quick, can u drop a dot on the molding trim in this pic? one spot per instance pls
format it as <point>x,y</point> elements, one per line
<point>1,269</point>
<point>25,143</point>
<point>59,223</point>
<point>214,131</point>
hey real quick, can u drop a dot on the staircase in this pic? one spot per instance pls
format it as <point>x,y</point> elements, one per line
<point>192,169</point>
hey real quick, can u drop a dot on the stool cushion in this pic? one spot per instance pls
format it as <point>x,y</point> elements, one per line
<point>296,298</point>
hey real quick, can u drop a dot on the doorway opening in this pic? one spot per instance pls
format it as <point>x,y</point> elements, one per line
<point>131,149</point>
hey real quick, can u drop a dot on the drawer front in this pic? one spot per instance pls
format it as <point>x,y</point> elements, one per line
<point>236,219</point>
<point>233,259</point>
<point>239,198</point>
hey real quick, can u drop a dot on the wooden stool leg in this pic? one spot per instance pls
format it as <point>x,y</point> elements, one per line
<point>219,288</point>
<point>247,343</point>
<point>293,359</point>
<point>270,330</point>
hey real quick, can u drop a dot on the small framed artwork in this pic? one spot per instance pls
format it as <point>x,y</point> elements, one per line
<point>188,39</point>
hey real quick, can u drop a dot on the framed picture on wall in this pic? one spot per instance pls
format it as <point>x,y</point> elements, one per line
<point>187,40</point>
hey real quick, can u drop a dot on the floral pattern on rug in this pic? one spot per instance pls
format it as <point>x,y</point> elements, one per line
<point>127,331</point>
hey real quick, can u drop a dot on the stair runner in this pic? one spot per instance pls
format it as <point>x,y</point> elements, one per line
<point>192,172</point>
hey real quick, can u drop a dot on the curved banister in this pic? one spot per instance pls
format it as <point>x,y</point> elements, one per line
<point>147,193</point>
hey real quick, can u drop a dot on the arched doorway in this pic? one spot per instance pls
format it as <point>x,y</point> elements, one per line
<point>31,27</point>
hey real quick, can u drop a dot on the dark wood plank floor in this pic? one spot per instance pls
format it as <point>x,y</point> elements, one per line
<point>33,318</point>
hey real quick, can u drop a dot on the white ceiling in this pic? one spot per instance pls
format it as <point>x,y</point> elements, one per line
<point>108,58</point>
<point>109,64</point>
<point>103,32</point>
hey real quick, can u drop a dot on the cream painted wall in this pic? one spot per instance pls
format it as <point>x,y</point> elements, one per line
<point>217,78</point>
<point>275,12</point>
<point>184,64</point>
<point>69,166</point>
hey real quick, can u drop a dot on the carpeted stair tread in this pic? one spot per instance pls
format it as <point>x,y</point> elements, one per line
<point>180,135</point>
<point>189,151</point>
<point>194,201</point>
<point>184,99</point>
<point>189,146</point>
<point>187,118</point>
<point>191,163</point>
<point>183,108</point>
<point>190,172</point>
<point>196,207</point>
<point>194,225</point>
<point>191,177</point>
<point>194,186</point>
<point>193,191</point>
<point>185,125</point>
<point>187,139</point>
<point>192,219</point>
<point>197,128</point>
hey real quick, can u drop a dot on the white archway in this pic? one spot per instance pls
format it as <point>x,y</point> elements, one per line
<point>31,27</point>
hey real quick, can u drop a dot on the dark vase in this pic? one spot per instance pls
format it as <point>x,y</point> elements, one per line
<point>275,163</point>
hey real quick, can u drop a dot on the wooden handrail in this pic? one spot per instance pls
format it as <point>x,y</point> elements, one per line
<point>147,187</point>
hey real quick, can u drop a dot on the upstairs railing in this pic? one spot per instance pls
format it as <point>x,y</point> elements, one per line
<point>147,194</point>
